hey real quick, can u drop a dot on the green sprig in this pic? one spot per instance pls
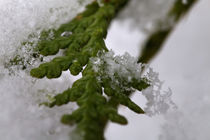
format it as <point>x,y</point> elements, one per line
<point>94,108</point>
<point>88,31</point>
<point>83,40</point>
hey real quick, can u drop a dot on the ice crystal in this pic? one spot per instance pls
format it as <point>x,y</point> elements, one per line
<point>117,67</point>
<point>125,67</point>
<point>158,101</point>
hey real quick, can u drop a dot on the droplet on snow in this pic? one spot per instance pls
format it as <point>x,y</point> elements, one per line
<point>66,34</point>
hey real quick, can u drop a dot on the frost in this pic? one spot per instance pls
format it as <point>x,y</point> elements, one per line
<point>118,67</point>
<point>158,101</point>
<point>124,65</point>
<point>121,69</point>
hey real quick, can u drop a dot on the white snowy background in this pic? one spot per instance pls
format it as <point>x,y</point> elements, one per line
<point>183,64</point>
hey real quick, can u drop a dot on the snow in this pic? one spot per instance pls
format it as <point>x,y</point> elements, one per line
<point>183,66</point>
<point>21,117</point>
<point>124,65</point>
<point>21,18</point>
<point>107,64</point>
<point>158,101</point>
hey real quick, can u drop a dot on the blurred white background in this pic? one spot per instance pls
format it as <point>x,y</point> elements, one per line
<point>184,66</point>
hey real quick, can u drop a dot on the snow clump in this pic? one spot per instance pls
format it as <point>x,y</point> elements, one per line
<point>126,67</point>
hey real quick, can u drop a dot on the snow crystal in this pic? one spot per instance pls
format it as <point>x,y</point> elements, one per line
<point>157,102</point>
<point>125,65</point>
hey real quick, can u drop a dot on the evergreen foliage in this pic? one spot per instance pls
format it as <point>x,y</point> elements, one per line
<point>96,94</point>
<point>82,39</point>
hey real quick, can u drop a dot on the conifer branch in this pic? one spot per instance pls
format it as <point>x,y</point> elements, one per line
<point>84,40</point>
<point>96,93</point>
<point>86,33</point>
